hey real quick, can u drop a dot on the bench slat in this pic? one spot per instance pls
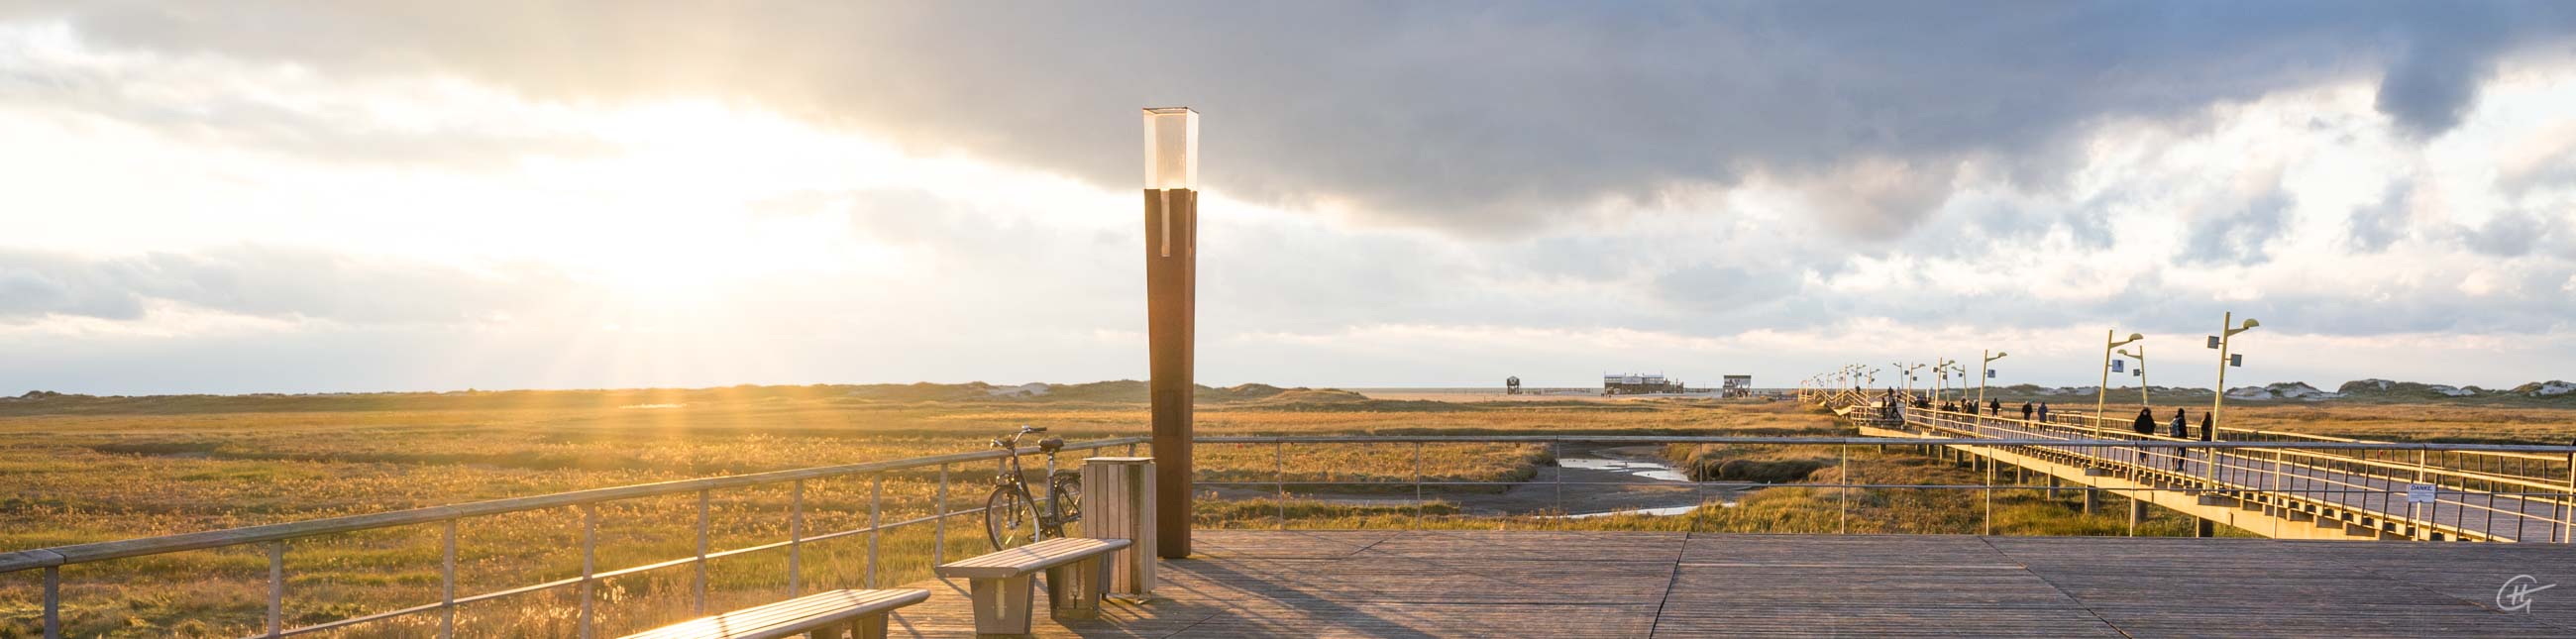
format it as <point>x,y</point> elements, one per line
<point>1031,558</point>
<point>791,617</point>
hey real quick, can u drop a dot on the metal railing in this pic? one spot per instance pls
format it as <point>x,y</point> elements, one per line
<point>276,539</point>
<point>2106,449</point>
<point>2333,473</point>
<point>2525,487</point>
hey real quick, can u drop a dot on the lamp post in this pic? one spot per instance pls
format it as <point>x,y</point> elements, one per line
<point>2141,372</point>
<point>1941,377</point>
<point>1983,372</point>
<point>1171,307</point>
<point>1909,374</point>
<point>2103,392</point>
<point>2227,333</point>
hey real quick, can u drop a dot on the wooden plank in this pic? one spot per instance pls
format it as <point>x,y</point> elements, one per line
<point>790,617</point>
<point>1012,562</point>
<point>1624,584</point>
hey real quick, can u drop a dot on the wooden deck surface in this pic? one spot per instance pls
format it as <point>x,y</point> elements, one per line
<point>1639,584</point>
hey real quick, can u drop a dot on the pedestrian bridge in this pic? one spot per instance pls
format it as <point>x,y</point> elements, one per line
<point>2274,484</point>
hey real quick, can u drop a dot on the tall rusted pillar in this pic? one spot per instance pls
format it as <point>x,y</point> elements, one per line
<point>1171,307</point>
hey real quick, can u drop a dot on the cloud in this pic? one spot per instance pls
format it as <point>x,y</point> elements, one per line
<point>2373,227</point>
<point>1479,119</point>
<point>270,282</point>
<point>2237,235</point>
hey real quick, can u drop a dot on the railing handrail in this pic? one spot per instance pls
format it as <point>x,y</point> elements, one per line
<point>1698,439</point>
<point>100,551</point>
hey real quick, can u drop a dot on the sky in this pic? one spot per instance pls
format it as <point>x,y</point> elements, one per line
<point>397,196</point>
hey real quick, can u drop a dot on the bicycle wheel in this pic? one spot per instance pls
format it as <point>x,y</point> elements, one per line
<point>1009,519</point>
<point>1064,494</point>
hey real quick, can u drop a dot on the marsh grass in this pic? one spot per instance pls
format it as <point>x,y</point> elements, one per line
<point>103,469</point>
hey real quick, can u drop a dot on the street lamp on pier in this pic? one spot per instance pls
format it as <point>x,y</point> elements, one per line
<point>2227,333</point>
<point>2103,392</point>
<point>1984,372</point>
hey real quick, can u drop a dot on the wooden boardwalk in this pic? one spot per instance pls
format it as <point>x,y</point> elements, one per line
<point>1640,584</point>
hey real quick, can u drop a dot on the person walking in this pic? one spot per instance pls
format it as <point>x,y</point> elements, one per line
<point>2181,430</point>
<point>1995,407</point>
<point>2208,431</point>
<point>2043,412</point>
<point>2145,426</point>
<point>2025,411</point>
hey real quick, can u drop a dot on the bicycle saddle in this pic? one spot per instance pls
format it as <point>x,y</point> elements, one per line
<point>1051,444</point>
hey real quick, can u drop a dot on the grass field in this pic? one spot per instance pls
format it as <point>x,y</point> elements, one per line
<point>76,470</point>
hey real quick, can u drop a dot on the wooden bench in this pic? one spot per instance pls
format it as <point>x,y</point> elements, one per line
<point>1077,571</point>
<point>821,615</point>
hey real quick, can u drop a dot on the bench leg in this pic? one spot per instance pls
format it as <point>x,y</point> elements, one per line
<point>869,627</point>
<point>826,632</point>
<point>1074,590</point>
<point>1002,606</point>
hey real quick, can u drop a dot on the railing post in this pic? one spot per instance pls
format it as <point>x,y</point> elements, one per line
<point>2571,494</point>
<point>1279,477</point>
<point>939,525</point>
<point>1556,455</point>
<point>1844,526</point>
<point>589,563</point>
<point>1990,496</point>
<point>447,583</point>
<point>796,539</point>
<point>1418,485</point>
<point>876,497</point>
<point>53,602</point>
<point>276,588</point>
<point>698,583</point>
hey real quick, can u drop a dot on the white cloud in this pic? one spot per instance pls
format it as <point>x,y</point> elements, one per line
<point>268,225</point>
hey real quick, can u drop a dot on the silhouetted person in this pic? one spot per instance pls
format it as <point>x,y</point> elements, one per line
<point>1995,407</point>
<point>2145,425</point>
<point>2208,431</point>
<point>2025,411</point>
<point>2181,430</point>
<point>2043,411</point>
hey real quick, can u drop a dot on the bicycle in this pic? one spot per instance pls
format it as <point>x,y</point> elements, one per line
<point>1012,516</point>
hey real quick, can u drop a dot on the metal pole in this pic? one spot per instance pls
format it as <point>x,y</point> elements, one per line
<point>1417,485</point>
<point>2571,491</point>
<point>1844,452</point>
<point>2104,391</point>
<point>876,496</point>
<point>1556,452</point>
<point>796,538</point>
<point>1279,478</point>
<point>447,583</point>
<point>939,526</point>
<point>2218,396</point>
<point>276,588</point>
<point>1990,498</point>
<point>699,582</point>
<point>589,563</point>
<point>53,602</point>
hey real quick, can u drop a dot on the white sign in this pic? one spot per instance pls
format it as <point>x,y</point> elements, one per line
<point>2419,493</point>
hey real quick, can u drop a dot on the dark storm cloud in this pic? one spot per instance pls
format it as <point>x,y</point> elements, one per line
<point>1477,118</point>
